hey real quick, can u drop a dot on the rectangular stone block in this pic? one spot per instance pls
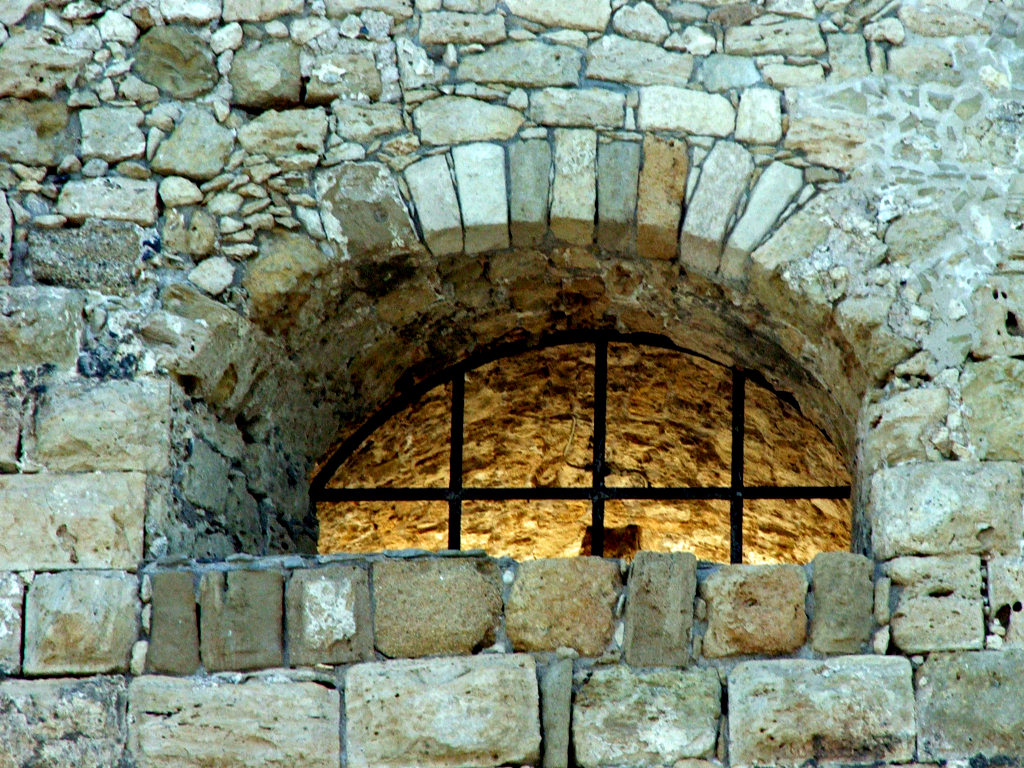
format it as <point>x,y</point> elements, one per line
<point>843,602</point>
<point>667,108</point>
<point>240,619</point>
<point>63,722</point>
<point>968,705</point>
<point>480,177</point>
<point>556,712</point>
<point>118,425</point>
<point>72,521</point>
<point>426,607</point>
<point>1006,596</point>
<point>847,709</point>
<point>461,711</point>
<point>622,60</point>
<point>662,191</point>
<point>526,64</point>
<point>574,193</point>
<point>120,199</point>
<point>940,606</point>
<point>659,609</point>
<point>176,722</point>
<point>946,507</point>
<point>80,623</point>
<point>618,170</point>
<point>563,602</point>
<point>328,616</point>
<point>529,164</point>
<point>592,108</point>
<point>174,630</point>
<point>39,326</point>
<point>797,37</point>
<point>437,207</point>
<point>623,717</point>
<point>12,595</point>
<point>754,609</point>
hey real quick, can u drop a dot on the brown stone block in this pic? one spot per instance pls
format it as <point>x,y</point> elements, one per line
<point>328,612</point>
<point>755,609</point>
<point>662,189</point>
<point>174,632</point>
<point>563,603</point>
<point>843,602</point>
<point>240,619</point>
<point>426,607</point>
<point>659,609</point>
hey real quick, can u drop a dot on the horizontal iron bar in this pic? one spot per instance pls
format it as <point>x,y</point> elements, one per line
<point>580,494</point>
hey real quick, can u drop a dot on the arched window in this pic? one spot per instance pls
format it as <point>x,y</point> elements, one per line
<point>590,443</point>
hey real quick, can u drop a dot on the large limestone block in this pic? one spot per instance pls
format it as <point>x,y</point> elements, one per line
<point>456,119</point>
<point>437,207</point>
<point>39,326</point>
<point>942,18</point>
<point>399,9</point>
<point>71,521</point>
<point>759,117</point>
<point>590,108</point>
<point>451,712</point>
<point>849,709</point>
<point>112,133</point>
<point>328,616</point>
<point>483,200</point>
<point>754,609</point>
<point>667,108</point>
<point>81,623</point>
<point>343,75</point>
<point>940,604</point>
<point>621,60</point>
<point>174,630</point>
<point>34,132</point>
<point>622,717</point>
<point>207,723</point>
<point>1006,596</point>
<point>117,425</point>
<point>441,27</point>
<point>574,191</point>
<point>527,64</point>
<point>799,37</point>
<point>991,389</point>
<point>835,142</point>
<point>618,171</point>
<point>945,508</point>
<point>563,603</point>
<point>280,279</point>
<point>12,595</point>
<point>177,155</point>
<point>100,255</point>
<point>33,67</point>
<point>724,178</point>
<point>267,76</point>
<point>260,10</point>
<point>363,211</point>
<point>659,609</point>
<point>116,198</point>
<point>241,614</point>
<point>575,14</point>
<point>529,164</point>
<point>843,602</point>
<point>290,132</point>
<point>968,705</point>
<point>191,11</point>
<point>365,122</point>
<point>426,607</point>
<point>63,722</point>
<point>177,61</point>
<point>662,191</point>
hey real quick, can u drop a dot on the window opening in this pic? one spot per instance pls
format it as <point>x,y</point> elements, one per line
<point>620,490</point>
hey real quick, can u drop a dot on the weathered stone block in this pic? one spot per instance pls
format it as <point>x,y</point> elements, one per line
<point>939,606</point>
<point>174,629</point>
<point>72,521</point>
<point>33,66</point>
<point>829,141</point>
<point>901,427</point>
<point>63,722</point>
<point>111,197</point>
<point>622,717</point>
<point>990,390</point>
<point>848,709</point>
<point>659,609</point>
<point>399,9</point>
<point>529,164</point>
<point>526,64</point>
<point>188,722</point>
<point>575,14</point>
<point>455,119</point>
<point>12,595</point>
<point>177,156</point>
<point>563,603</point>
<point>575,107</point>
<point>100,255</point>
<point>469,711</point>
<point>266,77</point>
<point>437,207</point>
<point>280,279</point>
<point>177,61</point>
<point>34,132</point>
<point>80,623</point>
<point>118,425</point>
<point>621,60</point>
<point>755,609</point>
<point>574,190</point>
<point>259,10</point>
<point>667,108</point>
<point>662,191</point>
<point>480,177</point>
<point>556,712</point>
<point>240,619</point>
<point>278,134</point>
<point>343,75</point>
<point>426,607</point>
<point>968,705</point>
<point>1006,596</point>
<point>797,37</point>
<point>759,116</point>
<point>843,602</point>
<point>112,133</point>
<point>722,72</point>
<point>438,28</point>
<point>618,171</point>
<point>945,508</point>
<point>328,616</point>
<point>39,326</point>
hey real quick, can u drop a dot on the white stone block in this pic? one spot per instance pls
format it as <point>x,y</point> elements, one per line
<point>575,14</point>
<point>589,108</point>
<point>112,133</point>
<point>574,193</point>
<point>773,192</point>
<point>483,199</point>
<point>109,198</point>
<point>437,207</point>
<point>190,11</point>
<point>667,108</point>
<point>12,593</point>
<point>759,118</point>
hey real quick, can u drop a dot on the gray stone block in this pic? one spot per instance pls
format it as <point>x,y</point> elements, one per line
<point>659,609</point>
<point>174,632</point>
<point>240,619</point>
<point>843,602</point>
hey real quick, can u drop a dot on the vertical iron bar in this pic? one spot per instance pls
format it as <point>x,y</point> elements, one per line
<point>455,460</point>
<point>739,380</point>
<point>600,431</point>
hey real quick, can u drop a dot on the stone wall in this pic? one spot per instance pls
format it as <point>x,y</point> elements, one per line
<point>232,229</point>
